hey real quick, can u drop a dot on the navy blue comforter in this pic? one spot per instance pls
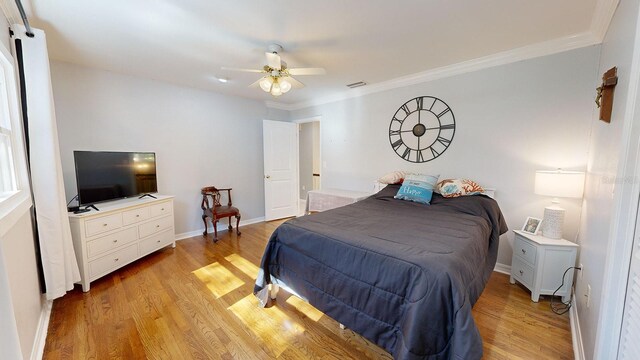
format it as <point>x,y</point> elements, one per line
<point>402,274</point>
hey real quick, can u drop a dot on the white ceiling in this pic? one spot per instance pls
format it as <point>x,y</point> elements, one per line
<point>187,42</point>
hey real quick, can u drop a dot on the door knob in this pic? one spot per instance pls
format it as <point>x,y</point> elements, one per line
<point>267,177</point>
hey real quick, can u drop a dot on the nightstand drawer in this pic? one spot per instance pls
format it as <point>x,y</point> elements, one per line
<point>525,250</point>
<point>521,271</point>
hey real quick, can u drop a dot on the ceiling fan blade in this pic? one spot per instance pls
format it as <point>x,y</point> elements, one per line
<point>273,60</point>
<point>307,71</point>
<point>243,70</point>
<point>256,84</point>
<point>294,83</point>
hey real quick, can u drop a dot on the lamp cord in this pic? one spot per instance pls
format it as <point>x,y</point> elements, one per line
<point>564,307</point>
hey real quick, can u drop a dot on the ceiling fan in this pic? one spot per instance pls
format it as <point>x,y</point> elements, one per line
<point>277,79</point>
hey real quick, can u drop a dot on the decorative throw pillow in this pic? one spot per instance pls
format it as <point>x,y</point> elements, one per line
<point>418,188</point>
<point>394,177</point>
<point>450,188</point>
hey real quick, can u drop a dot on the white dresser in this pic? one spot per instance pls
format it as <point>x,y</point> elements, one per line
<point>120,233</point>
<point>538,263</point>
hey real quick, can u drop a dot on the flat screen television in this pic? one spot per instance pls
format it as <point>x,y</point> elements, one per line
<point>108,175</point>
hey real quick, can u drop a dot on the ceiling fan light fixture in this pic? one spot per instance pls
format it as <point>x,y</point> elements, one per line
<point>266,83</point>
<point>277,77</point>
<point>276,90</point>
<point>285,86</point>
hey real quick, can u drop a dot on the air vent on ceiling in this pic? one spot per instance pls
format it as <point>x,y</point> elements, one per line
<point>356,84</point>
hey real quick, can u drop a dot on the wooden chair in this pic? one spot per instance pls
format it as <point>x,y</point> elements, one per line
<point>215,211</point>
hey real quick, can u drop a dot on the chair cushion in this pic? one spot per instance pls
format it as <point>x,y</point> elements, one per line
<point>224,211</point>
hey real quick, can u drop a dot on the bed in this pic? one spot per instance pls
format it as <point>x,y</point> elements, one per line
<point>403,275</point>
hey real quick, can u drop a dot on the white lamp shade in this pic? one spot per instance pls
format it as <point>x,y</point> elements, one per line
<point>275,89</point>
<point>284,85</point>
<point>568,184</point>
<point>266,83</point>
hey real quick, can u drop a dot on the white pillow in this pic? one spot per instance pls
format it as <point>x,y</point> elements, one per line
<point>394,177</point>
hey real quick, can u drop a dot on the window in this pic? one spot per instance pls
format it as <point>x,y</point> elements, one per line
<point>7,167</point>
<point>15,197</point>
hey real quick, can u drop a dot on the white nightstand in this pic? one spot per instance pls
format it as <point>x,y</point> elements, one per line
<point>538,263</point>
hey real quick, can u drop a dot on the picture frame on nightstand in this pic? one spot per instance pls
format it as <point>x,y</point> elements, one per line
<point>531,225</point>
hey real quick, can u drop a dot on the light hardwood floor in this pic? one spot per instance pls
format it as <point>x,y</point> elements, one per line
<point>195,301</point>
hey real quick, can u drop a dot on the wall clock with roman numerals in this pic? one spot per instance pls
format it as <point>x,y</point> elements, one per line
<point>422,129</point>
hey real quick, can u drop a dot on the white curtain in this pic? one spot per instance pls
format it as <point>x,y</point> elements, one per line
<point>56,247</point>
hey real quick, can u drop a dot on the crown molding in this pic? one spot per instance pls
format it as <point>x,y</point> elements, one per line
<point>602,16</point>
<point>506,57</point>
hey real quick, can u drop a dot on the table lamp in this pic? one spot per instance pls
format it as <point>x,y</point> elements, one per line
<point>557,183</point>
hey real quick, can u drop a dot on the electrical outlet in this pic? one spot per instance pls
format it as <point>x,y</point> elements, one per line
<point>588,296</point>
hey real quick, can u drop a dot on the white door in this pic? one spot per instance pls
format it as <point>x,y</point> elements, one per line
<point>280,141</point>
<point>629,347</point>
<point>316,155</point>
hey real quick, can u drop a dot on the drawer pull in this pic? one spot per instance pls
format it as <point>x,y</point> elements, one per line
<point>137,215</point>
<point>524,251</point>
<point>116,259</point>
<point>158,241</point>
<point>157,226</point>
<point>162,209</point>
<point>104,224</point>
<point>115,241</point>
<point>521,272</point>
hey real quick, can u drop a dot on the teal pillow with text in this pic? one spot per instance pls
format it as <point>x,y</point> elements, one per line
<point>417,188</point>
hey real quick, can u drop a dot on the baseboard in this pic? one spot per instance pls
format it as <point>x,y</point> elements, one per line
<point>502,268</point>
<point>40,338</point>
<point>221,228</point>
<point>576,334</point>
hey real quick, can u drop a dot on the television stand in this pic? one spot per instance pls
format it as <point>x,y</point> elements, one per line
<point>145,195</point>
<point>120,233</point>
<point>86,209</point>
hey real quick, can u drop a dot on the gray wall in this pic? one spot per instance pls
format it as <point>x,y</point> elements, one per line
<point>511,120</point>
<point>200,138</point>
<point>603,183</point>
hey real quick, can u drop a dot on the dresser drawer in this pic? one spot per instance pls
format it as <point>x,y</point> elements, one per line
<point>110,242</point>
<point>521,271</point>
<point>156,242</point>
<point>525,250</point>
<point>155,226</point>
<point>135,215</point>
<point>103,224</point>
<point>107,263</point>
<point>161,209</point>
